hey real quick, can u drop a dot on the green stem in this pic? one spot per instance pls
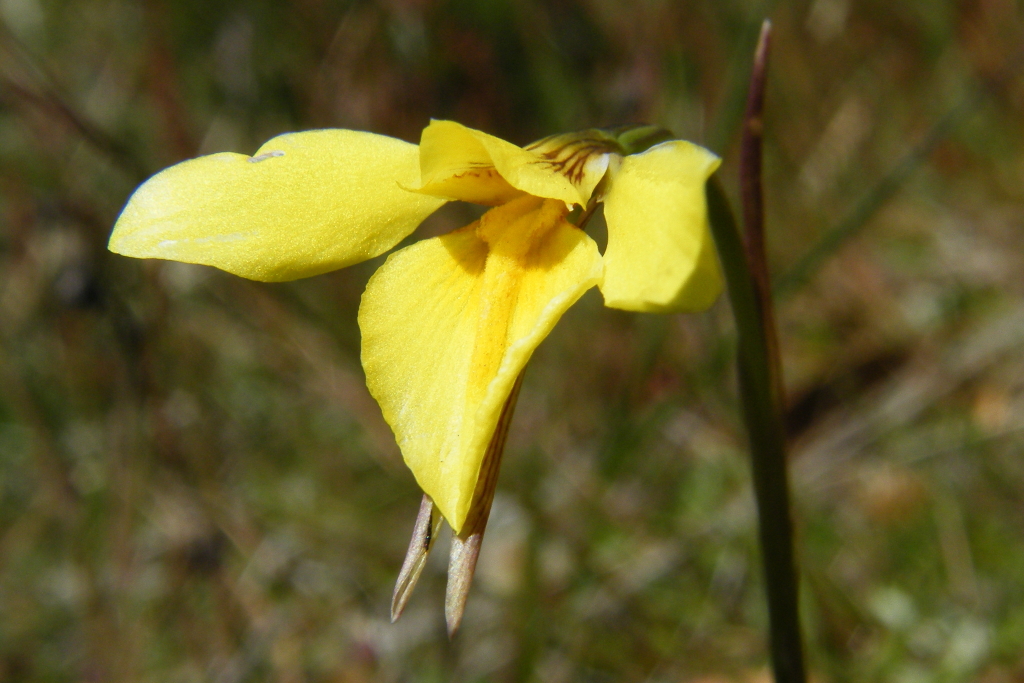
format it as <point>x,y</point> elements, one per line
<point>760,374</point>
<point>762,413</point>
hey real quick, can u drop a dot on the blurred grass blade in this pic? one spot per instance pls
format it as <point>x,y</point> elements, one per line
<point>836,236</point>
<point>424,534</point>
<point>44,96</point>
<point>759,380</point>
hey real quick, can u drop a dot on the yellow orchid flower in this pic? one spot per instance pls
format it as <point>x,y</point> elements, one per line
<point>448,323</point>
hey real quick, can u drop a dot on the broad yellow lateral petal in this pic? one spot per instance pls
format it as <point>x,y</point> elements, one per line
<point>305,204</point>
<point>660,255</point>
<point>448,323</point>
<point>458,162</point>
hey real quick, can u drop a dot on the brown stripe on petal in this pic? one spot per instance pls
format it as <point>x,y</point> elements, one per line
<point>569,153</point>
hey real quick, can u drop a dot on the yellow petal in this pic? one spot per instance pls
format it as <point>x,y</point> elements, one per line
<point>455,165</point>
<point>459,162</point>
<point>660,255</point>
<point>449,322</point>
<point>305,204</point>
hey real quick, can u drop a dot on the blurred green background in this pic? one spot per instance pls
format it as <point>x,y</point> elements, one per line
<point>196,486</point>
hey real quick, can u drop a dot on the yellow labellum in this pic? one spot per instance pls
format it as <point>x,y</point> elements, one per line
<point>448,323</point>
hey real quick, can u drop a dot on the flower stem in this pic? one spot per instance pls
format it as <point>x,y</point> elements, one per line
<point>759,374</point>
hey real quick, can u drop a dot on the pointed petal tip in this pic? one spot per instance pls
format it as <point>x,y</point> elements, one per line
<point>398,602</point>
<point>452,627</point>
<point>461,566</point>
<point>424,533</point>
